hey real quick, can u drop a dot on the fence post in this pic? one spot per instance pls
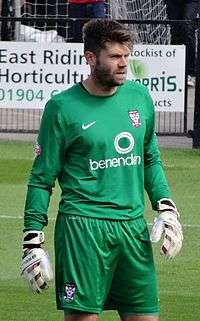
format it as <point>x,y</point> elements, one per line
<point>17,10</point>
<point>196,122</point>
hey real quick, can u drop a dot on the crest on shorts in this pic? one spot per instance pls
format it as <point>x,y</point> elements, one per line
<point>135,118</point>
<point>69,291</point>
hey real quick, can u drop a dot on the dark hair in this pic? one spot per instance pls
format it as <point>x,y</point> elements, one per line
<point>97,32</point>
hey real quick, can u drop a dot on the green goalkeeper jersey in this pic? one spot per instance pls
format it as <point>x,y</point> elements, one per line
<point>104,153</point>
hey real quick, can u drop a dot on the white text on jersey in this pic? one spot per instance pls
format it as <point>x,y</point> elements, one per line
<point>115,162</point>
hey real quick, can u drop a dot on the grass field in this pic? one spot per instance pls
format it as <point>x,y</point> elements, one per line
<point>178,279</point>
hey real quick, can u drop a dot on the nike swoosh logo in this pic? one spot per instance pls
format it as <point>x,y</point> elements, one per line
<point>84,127</point>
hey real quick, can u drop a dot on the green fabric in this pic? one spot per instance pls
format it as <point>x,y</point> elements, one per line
<point>107,263</point>
<point>102,150</point>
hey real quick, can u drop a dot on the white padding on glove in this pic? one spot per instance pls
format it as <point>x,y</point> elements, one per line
<point>168,227</point>
<point>36,269</point>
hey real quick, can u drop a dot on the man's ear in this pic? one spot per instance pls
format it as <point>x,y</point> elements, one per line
<point>90,58</point>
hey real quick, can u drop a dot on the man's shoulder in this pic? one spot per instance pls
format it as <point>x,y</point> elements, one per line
<point>137,89</point>
<point>135,85</point>
<point>66,98</point>
<point>66,94</point>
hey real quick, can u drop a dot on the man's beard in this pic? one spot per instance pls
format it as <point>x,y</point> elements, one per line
<point>104,78</point>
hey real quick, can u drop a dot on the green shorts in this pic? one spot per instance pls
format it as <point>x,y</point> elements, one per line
<point>104,264</point>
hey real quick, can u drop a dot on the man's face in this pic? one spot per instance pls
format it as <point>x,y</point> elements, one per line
<point>110,68</point>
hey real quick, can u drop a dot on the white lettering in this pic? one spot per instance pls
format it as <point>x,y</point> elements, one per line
<point>115,162</point>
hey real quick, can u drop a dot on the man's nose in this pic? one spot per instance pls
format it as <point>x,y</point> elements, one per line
<point>123,62</point>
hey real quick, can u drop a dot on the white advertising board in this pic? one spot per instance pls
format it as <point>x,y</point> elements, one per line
<point>30,73</point>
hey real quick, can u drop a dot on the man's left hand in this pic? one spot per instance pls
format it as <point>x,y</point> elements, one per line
<point>167,225</point>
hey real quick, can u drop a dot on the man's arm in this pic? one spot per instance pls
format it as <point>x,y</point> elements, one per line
<point>50,153</point>
<point>167,225</point>
<point>154,177</point>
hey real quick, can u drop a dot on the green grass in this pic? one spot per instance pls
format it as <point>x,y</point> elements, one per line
<point>178,279</point>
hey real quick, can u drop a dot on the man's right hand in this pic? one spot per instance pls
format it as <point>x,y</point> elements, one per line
<point>35,267</point>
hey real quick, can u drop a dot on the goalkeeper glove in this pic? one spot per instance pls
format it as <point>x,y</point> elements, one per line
<point>167,225</point>
<point>35,266</point>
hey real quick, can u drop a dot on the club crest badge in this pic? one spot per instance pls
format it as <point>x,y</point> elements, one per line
<point>69,291</point>
<point>135,118</point>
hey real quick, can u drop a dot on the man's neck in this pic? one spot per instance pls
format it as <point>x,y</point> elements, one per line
<point>94,88</point>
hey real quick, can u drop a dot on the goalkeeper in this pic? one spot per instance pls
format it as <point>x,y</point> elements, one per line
<point>97,138</point>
